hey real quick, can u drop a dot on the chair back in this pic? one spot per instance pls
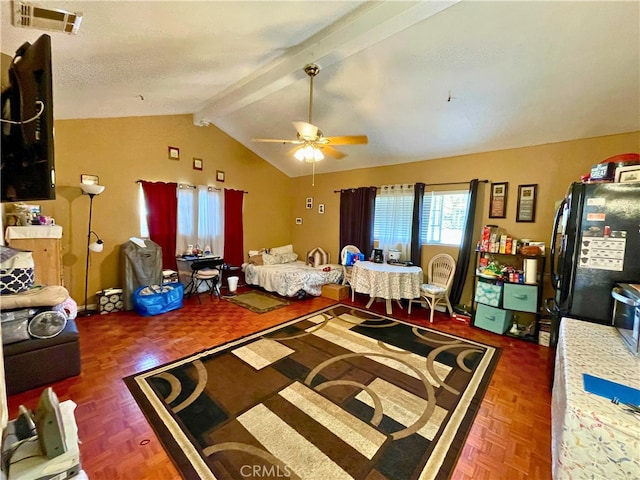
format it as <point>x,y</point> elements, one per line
<point>441,270</point>
<point>343,253</point>
<point>206,263</point>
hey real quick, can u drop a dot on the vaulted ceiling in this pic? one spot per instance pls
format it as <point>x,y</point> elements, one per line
<point>422,80</point>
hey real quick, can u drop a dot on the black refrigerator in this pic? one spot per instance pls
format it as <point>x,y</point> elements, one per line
<point>595,244</point>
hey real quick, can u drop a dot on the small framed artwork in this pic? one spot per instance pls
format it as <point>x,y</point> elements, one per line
<point>630,173</point>
<point>526,203</point>
<point>321,208</point>
<point>197,163</point>
<point>219,176</point>
<point>309,203</point>
<point>298,220</point>
<point>498,202</point>
<point>89,179</point>
<point>174,153</point>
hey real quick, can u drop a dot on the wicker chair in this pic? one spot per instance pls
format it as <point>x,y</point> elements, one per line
<point>346,269</point>
<point>440,277</point>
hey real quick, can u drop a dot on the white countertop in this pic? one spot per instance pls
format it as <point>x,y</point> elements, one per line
<point>33,231</point>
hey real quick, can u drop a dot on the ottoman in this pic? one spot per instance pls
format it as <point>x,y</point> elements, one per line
<point>39,361</point>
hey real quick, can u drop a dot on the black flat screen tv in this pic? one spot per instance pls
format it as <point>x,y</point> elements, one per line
<point>28,167</point>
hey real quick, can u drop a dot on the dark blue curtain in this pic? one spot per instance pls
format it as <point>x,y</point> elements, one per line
<point>466,247</point>
<point>357,207</point>
<point>416,225</point>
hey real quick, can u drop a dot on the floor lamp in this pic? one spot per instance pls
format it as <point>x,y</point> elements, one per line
<point>92,190</point>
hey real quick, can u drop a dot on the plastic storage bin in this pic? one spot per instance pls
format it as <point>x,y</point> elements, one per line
<point>492,319</point>
<point>520,297</point>
<point>489,293</point>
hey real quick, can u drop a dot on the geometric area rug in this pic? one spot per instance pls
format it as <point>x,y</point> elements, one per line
<point>341,393</point>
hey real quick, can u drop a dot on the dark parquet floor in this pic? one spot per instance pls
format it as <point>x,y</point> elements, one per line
<point>510,438</point>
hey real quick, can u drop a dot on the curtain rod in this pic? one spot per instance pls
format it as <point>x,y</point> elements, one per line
<point>181,185</point>
<point>426,185</point>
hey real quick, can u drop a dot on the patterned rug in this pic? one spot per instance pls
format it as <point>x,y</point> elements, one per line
<point>337,394</point>
<point>259,302</point>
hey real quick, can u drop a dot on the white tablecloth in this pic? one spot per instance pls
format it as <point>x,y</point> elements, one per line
<point>382,280</point>
<point>592,437</point>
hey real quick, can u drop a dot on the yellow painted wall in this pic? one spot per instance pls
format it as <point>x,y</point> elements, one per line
<point>123,150</point>
<point>553,167</point>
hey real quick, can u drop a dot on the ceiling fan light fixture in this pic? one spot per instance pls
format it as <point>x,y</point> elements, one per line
<point>299,154</point>
<point>308,154</point>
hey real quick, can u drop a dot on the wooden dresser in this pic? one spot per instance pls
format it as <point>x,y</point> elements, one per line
<point>46,244</point>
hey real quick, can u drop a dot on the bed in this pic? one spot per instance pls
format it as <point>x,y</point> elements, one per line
<point>279,270</point>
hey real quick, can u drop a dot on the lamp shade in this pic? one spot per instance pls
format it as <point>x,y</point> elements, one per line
<point>97,246</point>
<point>91,188</point>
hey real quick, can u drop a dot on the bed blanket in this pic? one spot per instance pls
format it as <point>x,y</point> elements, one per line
<point>288,279</point>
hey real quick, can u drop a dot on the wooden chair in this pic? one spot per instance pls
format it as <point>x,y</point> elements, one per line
<point>205,272</point>
<point>346,269</point>
<point>440,274</point>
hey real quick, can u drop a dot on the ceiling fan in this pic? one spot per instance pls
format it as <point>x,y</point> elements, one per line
<point>311,143</point>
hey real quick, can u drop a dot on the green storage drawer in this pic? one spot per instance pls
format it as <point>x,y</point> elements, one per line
<point>493,319</point>
<point>488,293</point>
<point>520,297</point>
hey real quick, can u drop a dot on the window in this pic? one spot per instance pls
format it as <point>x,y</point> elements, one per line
<point>443,217</point>
<point>142,211</point>
<point>393,218</point>
<point>200,218</point>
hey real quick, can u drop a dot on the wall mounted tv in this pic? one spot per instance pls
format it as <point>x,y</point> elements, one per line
<point>28,170</point>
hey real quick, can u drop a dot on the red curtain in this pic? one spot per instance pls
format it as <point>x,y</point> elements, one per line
<point>233,231</point>
<point>162,212</point>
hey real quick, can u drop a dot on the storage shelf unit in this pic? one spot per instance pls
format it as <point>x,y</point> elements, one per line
<point>46,246</point>
<point>508,308</point>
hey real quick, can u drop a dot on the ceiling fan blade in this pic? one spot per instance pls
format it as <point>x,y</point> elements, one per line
<point>332,152</point>
<point>347,140</point>
<point>275,140</point>
<point>306,130</point>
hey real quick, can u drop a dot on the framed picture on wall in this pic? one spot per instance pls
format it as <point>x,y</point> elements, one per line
<point>174,153</point>
<point>526,203</point>
<point>498,202</point>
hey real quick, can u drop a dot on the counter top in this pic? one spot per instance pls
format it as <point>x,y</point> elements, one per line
<point>33,231</point>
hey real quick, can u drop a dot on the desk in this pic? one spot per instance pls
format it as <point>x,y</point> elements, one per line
<point>184,270</point>
<point>592,437</point>
<point>382,280</point>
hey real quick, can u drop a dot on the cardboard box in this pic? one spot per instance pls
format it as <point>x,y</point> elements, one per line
<point>335,291</point>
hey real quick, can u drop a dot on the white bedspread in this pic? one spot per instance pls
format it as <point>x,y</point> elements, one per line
<point>287,279</point>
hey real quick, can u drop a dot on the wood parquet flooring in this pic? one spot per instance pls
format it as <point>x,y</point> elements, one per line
<point>510,438</point>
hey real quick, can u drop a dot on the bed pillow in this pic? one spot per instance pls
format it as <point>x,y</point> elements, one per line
<point>277,259</point>
<point>288,257</point>
<point>281,250</point>
<point>256,260</point>
<point>253,253</point>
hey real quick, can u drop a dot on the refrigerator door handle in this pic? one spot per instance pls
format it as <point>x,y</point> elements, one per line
<point>615,293</point>
<point>550,306</point>
<point>554,246</point>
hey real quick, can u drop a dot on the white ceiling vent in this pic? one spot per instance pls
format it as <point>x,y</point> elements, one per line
<point>30,16</point>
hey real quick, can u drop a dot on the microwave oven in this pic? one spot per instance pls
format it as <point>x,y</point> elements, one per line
<point>626,314</point>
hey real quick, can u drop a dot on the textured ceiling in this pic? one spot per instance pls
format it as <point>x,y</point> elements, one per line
<point>421,79</point>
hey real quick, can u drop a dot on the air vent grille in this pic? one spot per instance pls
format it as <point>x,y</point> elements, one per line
<point>29,16</point>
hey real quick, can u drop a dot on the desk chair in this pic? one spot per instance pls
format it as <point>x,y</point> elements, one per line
<point>346,269</point>
<point>207,272</point>
<point>440,277</point>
